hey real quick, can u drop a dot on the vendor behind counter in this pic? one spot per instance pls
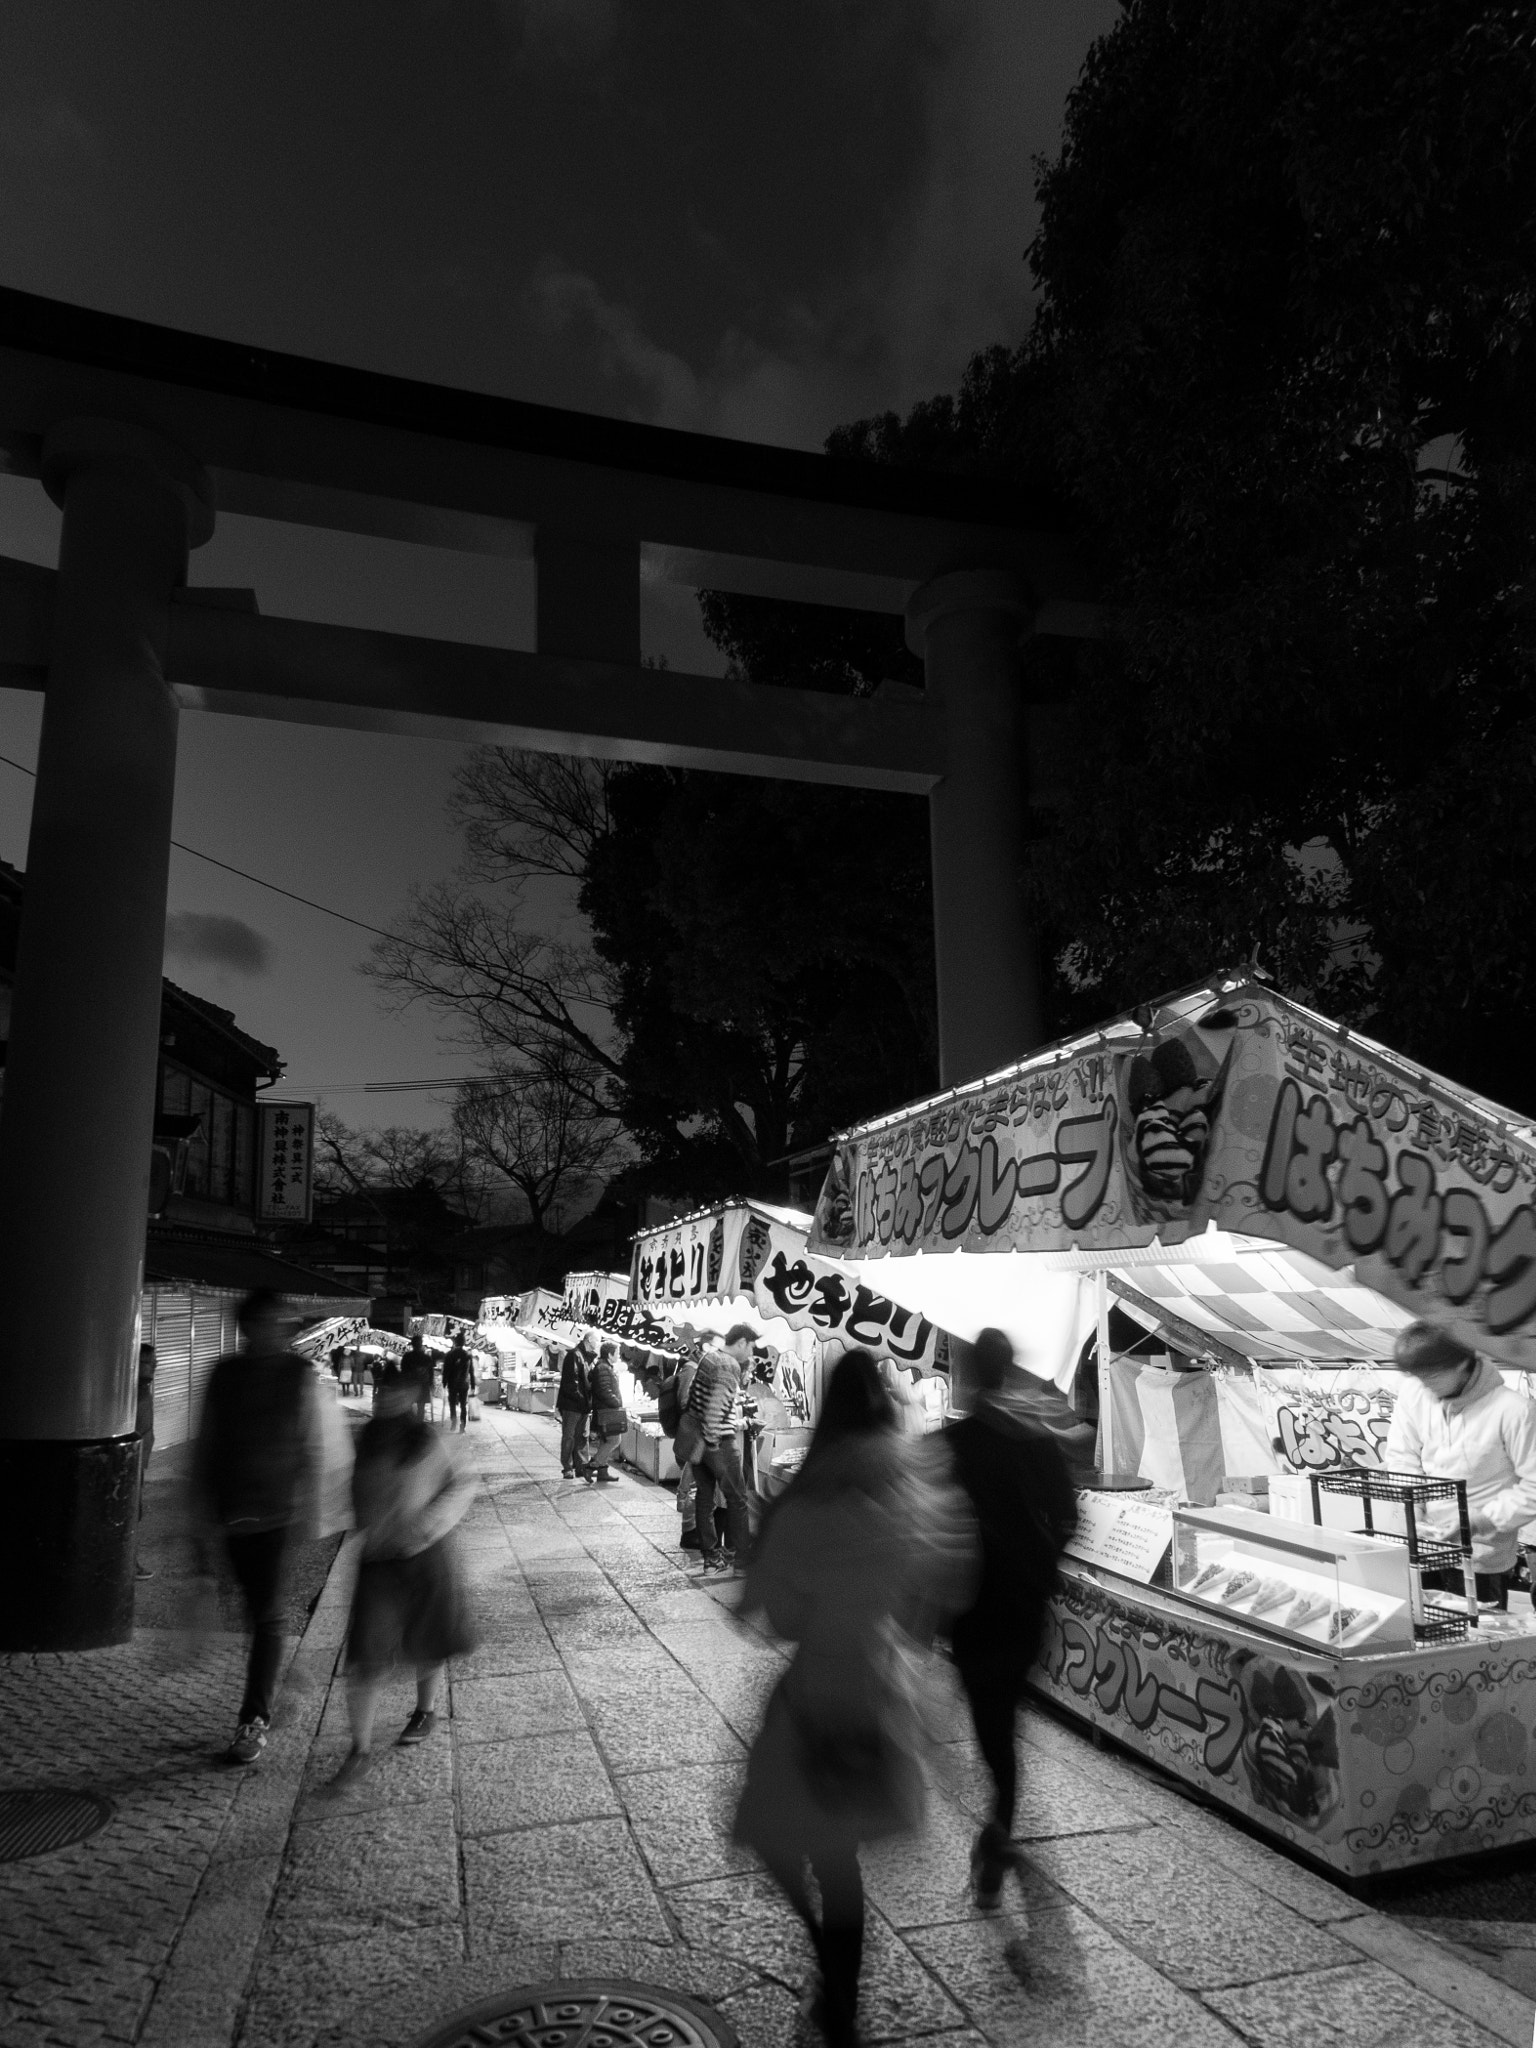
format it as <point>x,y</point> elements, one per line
<point>1454,1418</point>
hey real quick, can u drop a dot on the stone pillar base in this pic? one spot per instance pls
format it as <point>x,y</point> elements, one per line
<point>68,1524</point>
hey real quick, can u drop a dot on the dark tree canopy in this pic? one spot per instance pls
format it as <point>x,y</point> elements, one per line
<point>771,946</point>
<point>1283,371</point>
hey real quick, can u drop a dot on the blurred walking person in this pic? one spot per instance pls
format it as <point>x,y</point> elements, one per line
<point>259,1467</point>
<point>573,1404</point>
<point>457,1371</point>
<point>1014,1470</point>
<point>849,1557</point>
<point>409,1493</point>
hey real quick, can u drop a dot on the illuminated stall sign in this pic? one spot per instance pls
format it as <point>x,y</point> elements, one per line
<point>1245,1112</point>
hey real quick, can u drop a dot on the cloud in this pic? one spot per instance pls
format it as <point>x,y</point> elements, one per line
<point>49,133</point>
<point>948,279</point>
<point>560,31</point>
<point>205,939</point>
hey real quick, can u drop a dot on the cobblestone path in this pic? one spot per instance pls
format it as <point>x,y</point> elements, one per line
<point>572,1818</point>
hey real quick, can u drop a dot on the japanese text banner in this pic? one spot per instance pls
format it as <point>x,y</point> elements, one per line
<point>1255,1117</point>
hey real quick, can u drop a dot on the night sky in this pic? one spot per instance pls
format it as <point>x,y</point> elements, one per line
<point>749,219</point>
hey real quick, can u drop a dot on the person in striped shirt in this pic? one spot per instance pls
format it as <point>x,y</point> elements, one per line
<point>715,1399</point>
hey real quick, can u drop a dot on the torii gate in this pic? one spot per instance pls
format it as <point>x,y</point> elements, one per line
<point>138,432</point>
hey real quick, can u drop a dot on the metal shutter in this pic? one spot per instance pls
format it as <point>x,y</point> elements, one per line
<point>207,1343</point>
<point>168,1325</point>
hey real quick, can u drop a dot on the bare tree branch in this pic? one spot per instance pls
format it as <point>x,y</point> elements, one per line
<point>529,814</point>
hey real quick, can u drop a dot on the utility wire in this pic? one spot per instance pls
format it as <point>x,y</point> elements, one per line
<point>325,910</point>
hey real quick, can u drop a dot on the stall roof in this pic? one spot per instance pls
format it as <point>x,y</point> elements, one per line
<point>1291,1187</point>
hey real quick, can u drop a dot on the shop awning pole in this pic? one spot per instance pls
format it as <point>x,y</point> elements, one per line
<point>1106,1404</point>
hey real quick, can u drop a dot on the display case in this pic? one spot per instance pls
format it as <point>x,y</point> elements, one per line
<point>1331,1589</point>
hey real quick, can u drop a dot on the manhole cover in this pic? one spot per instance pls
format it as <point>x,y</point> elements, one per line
<point>592,2013</point>
<point>33,1823</point>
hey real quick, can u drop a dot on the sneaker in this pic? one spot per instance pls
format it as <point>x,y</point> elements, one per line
<point>567,1471</point>
<point>719,1563</point>
<point>142,1571</point>
<point>250,1740</point>
<point>607,1476</point>
<point>417,1729</point>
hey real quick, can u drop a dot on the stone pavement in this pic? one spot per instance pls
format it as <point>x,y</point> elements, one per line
<point>572,1819</point>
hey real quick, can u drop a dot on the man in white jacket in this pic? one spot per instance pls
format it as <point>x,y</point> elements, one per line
<point>1455,1419</point>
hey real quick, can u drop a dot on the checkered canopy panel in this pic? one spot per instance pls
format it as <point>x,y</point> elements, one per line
<point>1275,1303</point>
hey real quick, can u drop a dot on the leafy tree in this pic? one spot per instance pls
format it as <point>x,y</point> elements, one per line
<point>1282,374</point>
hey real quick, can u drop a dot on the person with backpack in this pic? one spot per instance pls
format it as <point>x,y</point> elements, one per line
<point>1014,1471</point>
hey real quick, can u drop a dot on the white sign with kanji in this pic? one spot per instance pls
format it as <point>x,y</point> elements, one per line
<point>285,1187</point>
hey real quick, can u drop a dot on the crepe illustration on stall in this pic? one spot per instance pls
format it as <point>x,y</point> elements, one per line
<point>1291,1749</point>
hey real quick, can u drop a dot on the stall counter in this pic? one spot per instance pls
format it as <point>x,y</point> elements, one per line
<point>1363,1764</point>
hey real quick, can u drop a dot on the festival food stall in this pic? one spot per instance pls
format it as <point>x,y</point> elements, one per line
<point>746,1262</point>
<point>1231,1206</point>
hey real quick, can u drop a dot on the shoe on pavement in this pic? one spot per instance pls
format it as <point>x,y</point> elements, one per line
<point>689,1540</point>
<point>417,1729</point>
<point>355,1766</point>
<point>143,1571</point>
<point>990,1859</point>
<point>250,1740</point>
<point>567,1472</point>
<point>607,1477</point>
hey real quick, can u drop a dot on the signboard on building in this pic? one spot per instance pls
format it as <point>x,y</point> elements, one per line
<point>284,1162</point>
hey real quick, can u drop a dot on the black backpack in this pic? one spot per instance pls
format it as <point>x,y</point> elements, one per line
<point>669,1409</point>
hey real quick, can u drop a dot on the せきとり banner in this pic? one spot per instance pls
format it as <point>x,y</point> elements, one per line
<point>1251,1114</point>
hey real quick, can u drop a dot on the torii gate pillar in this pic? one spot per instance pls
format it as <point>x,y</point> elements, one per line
<point>79,1107</point>
<point>966,626</point>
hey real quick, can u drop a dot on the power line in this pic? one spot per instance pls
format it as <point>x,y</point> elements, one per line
<point>325,910</point>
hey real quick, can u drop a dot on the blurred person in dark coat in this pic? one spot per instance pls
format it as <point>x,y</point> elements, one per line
<point>860,1549</point>
<point>1013,1467</point>
<point>251,1479</point>
<point>410,1605</point>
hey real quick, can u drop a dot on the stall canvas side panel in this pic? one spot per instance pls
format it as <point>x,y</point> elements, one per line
<point>1365,1769</point>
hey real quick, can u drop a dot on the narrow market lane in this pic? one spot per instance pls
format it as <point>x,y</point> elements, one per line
<point>573,1819</point>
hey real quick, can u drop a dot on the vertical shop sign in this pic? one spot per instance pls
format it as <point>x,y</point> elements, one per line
<point>284,1161</point>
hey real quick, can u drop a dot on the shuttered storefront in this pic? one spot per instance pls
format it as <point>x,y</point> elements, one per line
<point>189,1328</point>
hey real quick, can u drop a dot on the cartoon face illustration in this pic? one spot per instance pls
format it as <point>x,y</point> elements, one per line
<point>1171,1113</point>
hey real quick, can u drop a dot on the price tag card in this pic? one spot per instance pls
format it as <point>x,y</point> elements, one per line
<point>1123,1533</point>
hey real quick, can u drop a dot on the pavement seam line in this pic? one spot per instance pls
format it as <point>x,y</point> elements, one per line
<point>182,2013</point>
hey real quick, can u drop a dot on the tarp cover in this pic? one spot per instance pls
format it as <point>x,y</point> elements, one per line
<point>1226,1107</point>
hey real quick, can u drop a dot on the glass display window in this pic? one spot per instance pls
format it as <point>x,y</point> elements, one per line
<point>1328,1588</point>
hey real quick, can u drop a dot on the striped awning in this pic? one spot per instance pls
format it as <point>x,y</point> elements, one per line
<point>1265,1301</point>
